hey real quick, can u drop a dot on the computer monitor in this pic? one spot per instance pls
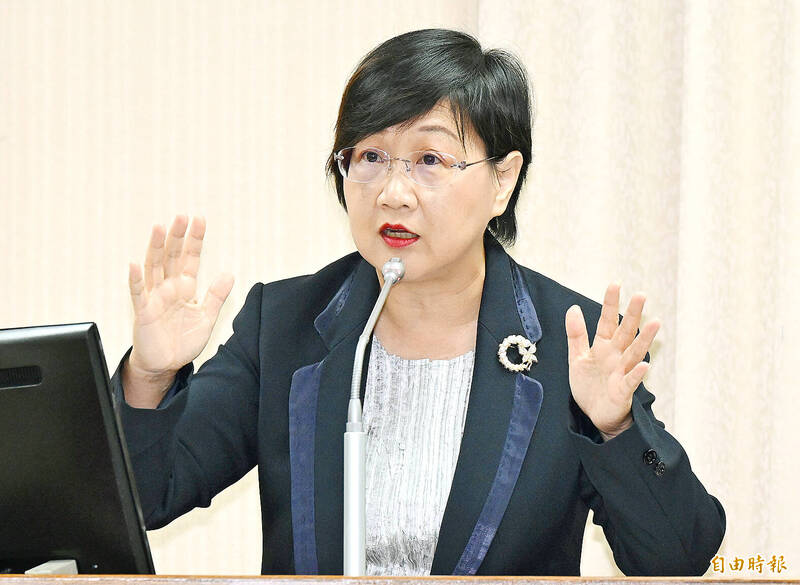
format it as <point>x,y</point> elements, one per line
<point>66,485</point>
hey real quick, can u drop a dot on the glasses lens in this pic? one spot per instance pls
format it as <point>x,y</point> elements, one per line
<point>362,164</point>
<point>430,168</point>
<point>365,164</point>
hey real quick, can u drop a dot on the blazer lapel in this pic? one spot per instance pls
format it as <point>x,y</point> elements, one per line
<point>317,412</point>
<point>503,411</point>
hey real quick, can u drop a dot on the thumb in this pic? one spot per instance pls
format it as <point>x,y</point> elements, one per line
<point>577,337</point>
<point>216,295</point>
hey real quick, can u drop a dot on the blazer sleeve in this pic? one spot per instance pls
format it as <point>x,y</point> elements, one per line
<point>655,513</point>
<point>203,437</point>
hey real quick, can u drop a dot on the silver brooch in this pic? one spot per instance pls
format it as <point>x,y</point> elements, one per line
<point>526,350</point>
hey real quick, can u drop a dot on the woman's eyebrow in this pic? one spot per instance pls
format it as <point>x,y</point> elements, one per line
<point>440,129</point>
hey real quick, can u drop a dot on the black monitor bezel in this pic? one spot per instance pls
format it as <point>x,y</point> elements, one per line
<point>83,338</point>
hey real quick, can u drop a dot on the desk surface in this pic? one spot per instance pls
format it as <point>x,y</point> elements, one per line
<point>335,580</point>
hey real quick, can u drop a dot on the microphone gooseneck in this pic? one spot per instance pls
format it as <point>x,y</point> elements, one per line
<point>393,270</point>
<point>355,440</point>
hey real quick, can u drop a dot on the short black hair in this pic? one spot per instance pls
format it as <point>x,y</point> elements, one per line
<point>406,76</point>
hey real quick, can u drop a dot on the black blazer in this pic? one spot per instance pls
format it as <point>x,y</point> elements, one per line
<point>531,463</point>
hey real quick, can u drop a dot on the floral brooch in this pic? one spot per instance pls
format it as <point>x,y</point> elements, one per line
<point>526,350</point>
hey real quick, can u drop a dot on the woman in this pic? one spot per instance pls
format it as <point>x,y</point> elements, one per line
<point>481,460</point>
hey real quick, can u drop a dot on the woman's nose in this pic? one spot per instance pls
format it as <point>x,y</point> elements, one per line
<point>398,188</point>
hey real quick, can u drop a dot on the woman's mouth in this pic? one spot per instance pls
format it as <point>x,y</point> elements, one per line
<point>397,236</point>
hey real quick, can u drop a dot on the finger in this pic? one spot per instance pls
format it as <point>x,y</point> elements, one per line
<point>193,247</point>
<point>216,296</point>
<point>136,285</point>
<point>174,246</point>
<point>577,337</point>
<point>625,333</point>
<point>609,316</point>
<point>633,378</point>
<point>640,346</point>
<point>154,259</point>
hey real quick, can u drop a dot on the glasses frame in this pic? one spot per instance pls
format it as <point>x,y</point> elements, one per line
<point>462,165</point>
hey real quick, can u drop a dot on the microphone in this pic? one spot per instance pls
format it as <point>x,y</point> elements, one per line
<point>393,269</point>
<point>355,441</point>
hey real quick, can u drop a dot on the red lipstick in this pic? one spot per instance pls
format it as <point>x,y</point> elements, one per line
<point>397,235</point>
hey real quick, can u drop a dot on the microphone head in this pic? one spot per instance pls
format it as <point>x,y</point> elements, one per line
<point>393,270</point>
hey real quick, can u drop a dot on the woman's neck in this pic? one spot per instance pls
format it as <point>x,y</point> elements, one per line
<point>434,319</point>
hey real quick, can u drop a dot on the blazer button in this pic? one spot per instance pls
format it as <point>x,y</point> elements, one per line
<point>659,469</point>
<point>649,456</point>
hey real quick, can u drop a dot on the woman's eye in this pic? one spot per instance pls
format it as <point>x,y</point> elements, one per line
<point>430,159</point>
<point>371,156</point>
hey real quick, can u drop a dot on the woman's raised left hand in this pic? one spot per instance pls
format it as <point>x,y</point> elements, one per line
<point>604,376</point>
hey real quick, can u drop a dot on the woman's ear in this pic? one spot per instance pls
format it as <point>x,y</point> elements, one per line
<point>507,175</point>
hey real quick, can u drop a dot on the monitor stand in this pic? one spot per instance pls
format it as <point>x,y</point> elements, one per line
<point>62,567</point>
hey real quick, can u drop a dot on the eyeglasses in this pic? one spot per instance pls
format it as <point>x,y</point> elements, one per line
<point>429,168</point>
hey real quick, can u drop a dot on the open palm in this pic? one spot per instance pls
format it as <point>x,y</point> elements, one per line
<point>603,377</point>
<point>171,327</point>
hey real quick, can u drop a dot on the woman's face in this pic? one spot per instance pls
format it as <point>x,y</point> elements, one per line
<point>448,221</point>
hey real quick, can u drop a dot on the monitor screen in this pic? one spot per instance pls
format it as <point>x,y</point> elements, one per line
<point>66,485</point>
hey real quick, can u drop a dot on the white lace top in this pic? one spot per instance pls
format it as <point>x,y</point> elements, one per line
<point>414,412</point>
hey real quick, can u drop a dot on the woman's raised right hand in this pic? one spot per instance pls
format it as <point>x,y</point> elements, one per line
<point>170,326</point>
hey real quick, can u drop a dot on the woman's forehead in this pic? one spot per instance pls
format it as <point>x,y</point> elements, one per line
<point>438,122</point>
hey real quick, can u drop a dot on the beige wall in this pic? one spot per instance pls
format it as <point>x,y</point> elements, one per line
<point>666,149</point>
